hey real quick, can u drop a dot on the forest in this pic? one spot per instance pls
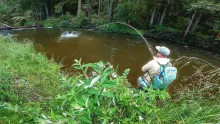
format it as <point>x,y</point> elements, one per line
<point>189,22</point>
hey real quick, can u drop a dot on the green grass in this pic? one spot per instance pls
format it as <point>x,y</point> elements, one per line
<point>33,90</point>
<point>27,74</point>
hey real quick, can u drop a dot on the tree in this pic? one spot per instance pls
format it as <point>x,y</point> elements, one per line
<point>79,8</point>
<point>202,7</point>
<point>89,11</point>
<point>153,3</point>
<point>164,4</point>
<point>100,9</point>
<point>189,25</point>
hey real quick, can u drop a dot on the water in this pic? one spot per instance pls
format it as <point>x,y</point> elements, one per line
<point>119,49</point>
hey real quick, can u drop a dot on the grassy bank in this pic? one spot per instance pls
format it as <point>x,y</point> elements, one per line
<point>33,90</point>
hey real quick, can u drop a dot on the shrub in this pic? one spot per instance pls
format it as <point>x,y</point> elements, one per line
<point>80,21</point>
<point>118,28</point>
<point>163,28</point>
<point>51,22</point>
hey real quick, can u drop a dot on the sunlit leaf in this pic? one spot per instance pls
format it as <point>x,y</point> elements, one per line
<point>52,114</point>
<point>94,80</point>
<point>108,94</point>
<point>87,102</point>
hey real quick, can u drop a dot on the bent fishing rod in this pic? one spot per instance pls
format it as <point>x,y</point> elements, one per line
<point>147,44</point>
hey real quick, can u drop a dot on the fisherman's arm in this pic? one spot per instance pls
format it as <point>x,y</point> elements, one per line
<point>147,67</point>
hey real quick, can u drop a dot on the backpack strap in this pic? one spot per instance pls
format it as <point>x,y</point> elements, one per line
<point>160,67</point>
<point>149,72</point>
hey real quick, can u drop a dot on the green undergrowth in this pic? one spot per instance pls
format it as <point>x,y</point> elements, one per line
<point>67,21</point>
<point>118,28</point>
<point>33,90</point>
<point>25,73</point>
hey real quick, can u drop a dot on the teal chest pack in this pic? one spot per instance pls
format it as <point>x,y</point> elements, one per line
<point>165,76</point>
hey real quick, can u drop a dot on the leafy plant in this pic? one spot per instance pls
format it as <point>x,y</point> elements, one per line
<point>97,93</point>
<point>102,96</point>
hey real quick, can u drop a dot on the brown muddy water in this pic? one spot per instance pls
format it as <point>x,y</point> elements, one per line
<point>123,50</point>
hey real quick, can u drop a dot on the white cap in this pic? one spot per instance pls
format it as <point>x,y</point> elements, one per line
<point>163,50</point>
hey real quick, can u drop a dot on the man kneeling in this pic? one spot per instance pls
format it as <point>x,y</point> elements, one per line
<point>152,67</point>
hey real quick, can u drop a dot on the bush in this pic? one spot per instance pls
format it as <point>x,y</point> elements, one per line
<point>104,96</point>
<point>80,22</point>
<point>163,28</point>
<point>118,28</point>
<point>95,22</point>
<point>51,22</point>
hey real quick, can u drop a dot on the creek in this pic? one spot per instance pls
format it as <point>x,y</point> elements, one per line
<point>123,50</point>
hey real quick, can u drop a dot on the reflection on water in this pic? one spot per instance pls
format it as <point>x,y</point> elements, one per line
<point>118,49</point>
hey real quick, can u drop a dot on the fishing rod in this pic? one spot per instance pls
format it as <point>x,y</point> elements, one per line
<point>147,44</point>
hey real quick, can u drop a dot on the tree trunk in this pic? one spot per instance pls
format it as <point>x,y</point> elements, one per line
<point>36,14</point>
<point>46,9</point>
<point>152,17</point>
<point>89,11</point>
<point>197,22</point>
<point>190,23</point>
<point>52,8</point>
<point>101,7</point>
<point>40,14</point>
<point>163,15</point>
<point>99,10</point>
<point>79,8</point>
<point>110,12</point>
<point>62,5</point>
<point>158,17</point>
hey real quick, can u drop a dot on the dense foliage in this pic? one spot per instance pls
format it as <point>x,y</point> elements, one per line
<point>34,90</point>
<point>195,22</point>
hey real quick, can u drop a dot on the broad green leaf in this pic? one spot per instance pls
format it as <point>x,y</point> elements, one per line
<point>106,73</point>
<point>94,80</point>
<point>85,118</point>
<point>85,71</point>
<point>127,119</point>
<point>108,94</point>
<point>76,66</point>
<point>60,117</point>
<point>108,84</point>
<point>89,65</point>
<point>80,101</point>
<point>93,91</point>
<point>98,112</point>
<point>52,114</point>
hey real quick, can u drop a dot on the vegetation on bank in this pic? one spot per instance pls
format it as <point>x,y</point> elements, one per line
<point>33,89</point>
<point>194,22</point>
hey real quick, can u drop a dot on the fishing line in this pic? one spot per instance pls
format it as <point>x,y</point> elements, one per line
<point>147,44</point>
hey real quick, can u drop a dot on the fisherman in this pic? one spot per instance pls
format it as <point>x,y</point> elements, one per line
<point>152,67</point>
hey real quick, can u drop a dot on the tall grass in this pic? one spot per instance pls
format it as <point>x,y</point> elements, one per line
<point>33,90</point>
<point>25,73</point>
